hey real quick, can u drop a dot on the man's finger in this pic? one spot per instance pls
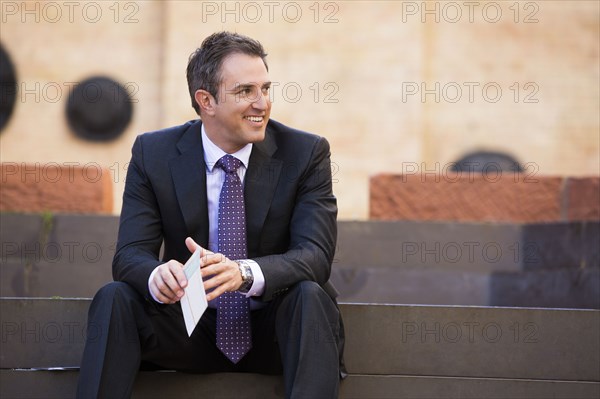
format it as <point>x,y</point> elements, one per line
<point>214,281</point>
<point>165,297</point>
<point>215,293</point>
<point>210,258</point>
<point>166,276</point>
<point>176,270</point>
<point>210,270</point>
<point>192,246</point>
<point>164,289</point>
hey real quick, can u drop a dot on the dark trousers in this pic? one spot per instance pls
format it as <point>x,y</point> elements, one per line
<point>297,334</point>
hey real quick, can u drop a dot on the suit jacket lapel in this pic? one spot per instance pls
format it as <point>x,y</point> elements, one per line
<point>188,171</point>
<point>259,186</point>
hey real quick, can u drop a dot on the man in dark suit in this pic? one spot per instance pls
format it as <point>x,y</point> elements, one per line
<point>171,199</point>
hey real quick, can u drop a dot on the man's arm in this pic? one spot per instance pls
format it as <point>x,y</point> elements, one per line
<point>136,260</point>
<point>312,230</point>
<point>140,238</point>
<point>312,237</point>
<point>140,227</point>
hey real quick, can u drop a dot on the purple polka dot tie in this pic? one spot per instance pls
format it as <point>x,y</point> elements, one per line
<point>233,313</point>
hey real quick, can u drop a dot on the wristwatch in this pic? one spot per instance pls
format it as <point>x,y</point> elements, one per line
<point>247,276</point>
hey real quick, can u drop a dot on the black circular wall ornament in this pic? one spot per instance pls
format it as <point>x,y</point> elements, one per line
<point>99,109</point>
<point>8,87</point>
<point>487,162</point>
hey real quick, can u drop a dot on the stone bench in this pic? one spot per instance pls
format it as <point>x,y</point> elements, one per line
<point>487,264</point>
<point>501,264</point>
<point>392,351</point>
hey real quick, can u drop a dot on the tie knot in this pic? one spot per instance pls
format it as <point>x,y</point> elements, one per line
<point>229,163</point>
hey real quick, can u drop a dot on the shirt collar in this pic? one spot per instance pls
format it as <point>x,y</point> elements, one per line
<point>212,153</point>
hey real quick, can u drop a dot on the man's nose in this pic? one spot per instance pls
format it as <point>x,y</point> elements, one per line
<point>262,101</point>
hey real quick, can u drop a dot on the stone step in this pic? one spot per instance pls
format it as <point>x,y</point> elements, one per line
<point>483,264</point>
<point>560,288</point>
<point>445,341</point>
<point>25,384</point>
<point>91,239</point>
<point>489,247</point>
<point>67,255</point>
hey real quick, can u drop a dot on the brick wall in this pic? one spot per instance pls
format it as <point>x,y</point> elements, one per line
<point>509,198</point>
<point>55,187</point>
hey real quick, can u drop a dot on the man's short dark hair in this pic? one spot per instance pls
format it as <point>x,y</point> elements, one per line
<point>204,65</point>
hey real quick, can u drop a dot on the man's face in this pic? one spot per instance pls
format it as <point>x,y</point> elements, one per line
<point>241,114</point>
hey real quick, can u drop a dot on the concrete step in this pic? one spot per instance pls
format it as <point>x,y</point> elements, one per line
<point>23,384</point>
<point>68,255</point>
<point>91,239</point>
<point>559,288</point>
<point>445,341</point>
<point>482,264</point>
<point>479,247</point>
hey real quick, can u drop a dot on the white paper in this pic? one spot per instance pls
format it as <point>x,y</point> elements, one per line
<point>193,302</point>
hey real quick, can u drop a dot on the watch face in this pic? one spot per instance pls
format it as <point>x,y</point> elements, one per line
<point>244,272</point>
<point>247,273</point>
<point>247,278</point>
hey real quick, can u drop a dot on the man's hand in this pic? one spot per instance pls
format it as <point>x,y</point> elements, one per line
<point>169,280</point>
<point>218,271</point>
<point>223,274</point>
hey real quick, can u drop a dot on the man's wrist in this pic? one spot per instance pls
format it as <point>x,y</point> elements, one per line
<point>247,276</point>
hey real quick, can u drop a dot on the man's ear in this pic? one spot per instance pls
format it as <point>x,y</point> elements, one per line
<point>205,101</point>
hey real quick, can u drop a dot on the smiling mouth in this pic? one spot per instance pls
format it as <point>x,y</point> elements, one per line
<point>257,119</point>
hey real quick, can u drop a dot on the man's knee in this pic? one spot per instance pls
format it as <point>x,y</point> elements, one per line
<point>308,289</point>
<point>119,306</point>
<point>310,295</point>
<point>114,288</point>
<point>308,308</point>
<point>116,291</point>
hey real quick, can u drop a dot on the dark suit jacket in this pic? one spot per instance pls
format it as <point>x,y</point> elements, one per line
<point>290,207</point>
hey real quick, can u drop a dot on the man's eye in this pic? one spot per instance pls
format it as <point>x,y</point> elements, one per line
<point>265,90</point>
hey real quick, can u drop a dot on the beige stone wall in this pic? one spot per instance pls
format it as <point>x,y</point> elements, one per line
<point>361,67</point>
<point>50,54</point>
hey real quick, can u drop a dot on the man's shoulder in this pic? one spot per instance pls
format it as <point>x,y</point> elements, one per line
<point>283,135</point>
<point>169,134</point>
